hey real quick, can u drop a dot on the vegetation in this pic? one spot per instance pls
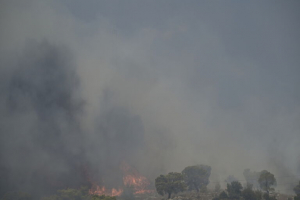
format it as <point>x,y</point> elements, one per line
<point>103,197</point>
<point>249,194</point>
<point>170,183</point>
<point>258,194</point>
<point>266,181</point>
<point>70,194</point>
<point>223,195</point>
<point>297,191</point>
<point>234,190</point>
<point>192,177</point>
<point>17,196</point>
<point>197,177</point>
<point>77,194</point>
<point>266,196</point>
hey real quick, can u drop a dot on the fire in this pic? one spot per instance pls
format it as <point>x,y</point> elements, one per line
<point>103,191</point>
<point>137,182</point>
<point>131,178</point>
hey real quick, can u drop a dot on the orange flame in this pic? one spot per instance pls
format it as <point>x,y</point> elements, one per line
<point>103,191</point>
<point>131,178</point>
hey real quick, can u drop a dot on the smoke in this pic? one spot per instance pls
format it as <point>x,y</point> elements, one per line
<point>87,86</point>
<point>40,106</point>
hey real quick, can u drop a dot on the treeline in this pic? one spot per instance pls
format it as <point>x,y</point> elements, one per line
<point>258,186</point>
<point>67,194</point>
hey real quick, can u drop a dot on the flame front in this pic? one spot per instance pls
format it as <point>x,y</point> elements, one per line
<point>103,191</point>
<point>139,183</point>
<point>131,178</point>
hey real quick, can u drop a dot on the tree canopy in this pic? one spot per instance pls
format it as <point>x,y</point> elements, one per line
<point>249,194</point>
<point>173,182</point>
<point>196,176</point>
<point>266,181</point>
<point>234,189</point>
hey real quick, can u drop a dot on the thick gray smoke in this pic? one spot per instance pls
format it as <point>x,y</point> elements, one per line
<point>40,106</point>
<point>85,86</point>
<point>42,144</point>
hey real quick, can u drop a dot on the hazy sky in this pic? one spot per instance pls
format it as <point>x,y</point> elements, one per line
<point>171,83</point>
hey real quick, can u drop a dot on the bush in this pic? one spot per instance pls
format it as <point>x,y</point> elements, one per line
<point>16,196</point>
<point>249,194</point>
<point>223,195</point>
<point>234,190</point>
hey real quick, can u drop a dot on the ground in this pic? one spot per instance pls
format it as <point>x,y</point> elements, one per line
<point>195,196</point>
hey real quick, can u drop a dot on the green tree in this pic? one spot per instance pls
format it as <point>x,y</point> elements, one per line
<point>73,194</point>
<point>266,181</point>
<point>171,183</point>
<point>234,190</point>
<point>17,196</point>
<point>297,191</point>
<point>249,194</point>
<point>197,177</point>
<point>222,195</point>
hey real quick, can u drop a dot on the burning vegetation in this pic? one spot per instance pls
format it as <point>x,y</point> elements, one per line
<point>190,184</point>
<point>131,179</point>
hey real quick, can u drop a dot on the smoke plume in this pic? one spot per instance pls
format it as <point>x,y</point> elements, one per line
<point>86,86</point>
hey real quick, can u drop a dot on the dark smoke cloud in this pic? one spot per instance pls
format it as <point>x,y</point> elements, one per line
<point>43,147</point>
<point>41,141</point>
